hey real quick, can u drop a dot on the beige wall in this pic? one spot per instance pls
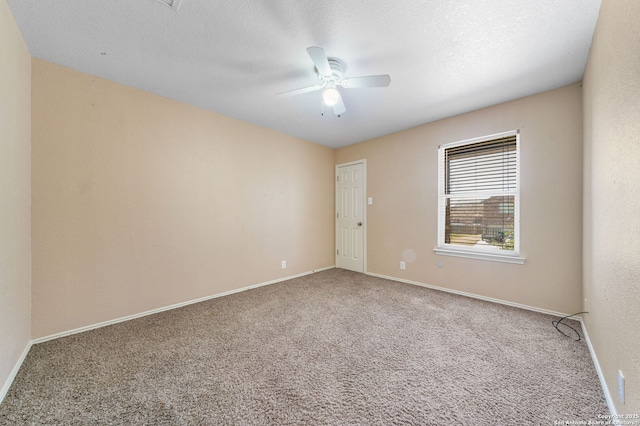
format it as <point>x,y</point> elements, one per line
<point>402,222</point>
<point>141,202</point>
<point>612,197</point>
<point>15,195</point>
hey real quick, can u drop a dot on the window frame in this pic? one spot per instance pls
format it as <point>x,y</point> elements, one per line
<point>442,248</point>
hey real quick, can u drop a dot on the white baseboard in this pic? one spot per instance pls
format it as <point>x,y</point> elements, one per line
<point>603,383</point>
<point>167,308</point>
<point>472,295</point>
<point>14,372</point>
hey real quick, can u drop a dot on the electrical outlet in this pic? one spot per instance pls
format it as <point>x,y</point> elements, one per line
<point>621,386</point>
<point>403,265</point>
<point>284,264</point>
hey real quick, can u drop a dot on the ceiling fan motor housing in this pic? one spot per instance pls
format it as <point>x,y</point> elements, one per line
<point>338,68</point>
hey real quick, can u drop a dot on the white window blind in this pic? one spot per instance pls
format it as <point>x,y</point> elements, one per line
<point>479,200</point>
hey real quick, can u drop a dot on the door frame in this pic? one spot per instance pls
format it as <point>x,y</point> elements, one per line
<point>364,211</point>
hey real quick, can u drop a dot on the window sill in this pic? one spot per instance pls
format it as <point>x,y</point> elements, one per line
<point>480,255</point>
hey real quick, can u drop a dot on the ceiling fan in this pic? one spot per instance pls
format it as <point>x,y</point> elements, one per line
<point>330,72</point>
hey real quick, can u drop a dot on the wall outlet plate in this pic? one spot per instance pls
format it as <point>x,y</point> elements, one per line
<point>621,386</point>
<point>403,265</point>
<point>284,264</point>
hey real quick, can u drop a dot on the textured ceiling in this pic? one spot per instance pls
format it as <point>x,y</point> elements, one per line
<point>444,57</point>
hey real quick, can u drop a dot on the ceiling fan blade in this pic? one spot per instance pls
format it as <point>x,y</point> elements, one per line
<point>319,60</point>
<point>339,107</point>
<point>368,81</point>
<point>300,91</point>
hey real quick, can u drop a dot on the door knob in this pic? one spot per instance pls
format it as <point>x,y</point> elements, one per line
<point>359,223</point>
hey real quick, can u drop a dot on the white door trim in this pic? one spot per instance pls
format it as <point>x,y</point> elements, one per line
<point>364,210</point>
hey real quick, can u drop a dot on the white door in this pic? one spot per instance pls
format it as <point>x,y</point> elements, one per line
<point>350,216</point>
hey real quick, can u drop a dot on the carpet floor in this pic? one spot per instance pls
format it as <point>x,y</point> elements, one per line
<point>331,348</point>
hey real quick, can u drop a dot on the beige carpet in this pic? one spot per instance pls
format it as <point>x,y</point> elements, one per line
<point>335,348</point>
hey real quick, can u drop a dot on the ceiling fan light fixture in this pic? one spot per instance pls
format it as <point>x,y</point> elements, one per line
<point>330,96</point>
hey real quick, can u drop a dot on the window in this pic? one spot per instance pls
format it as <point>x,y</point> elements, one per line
<point>479,203</point>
